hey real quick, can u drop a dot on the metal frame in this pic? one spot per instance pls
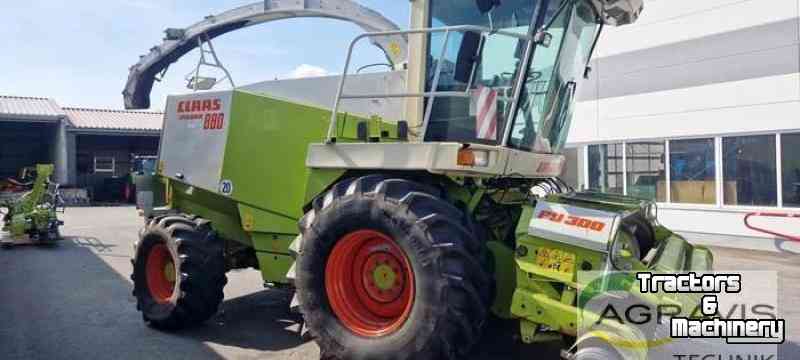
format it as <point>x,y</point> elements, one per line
<point>180,41</point>
<point>527,61</point>
<point>201,40</point>
<point>340,95</point>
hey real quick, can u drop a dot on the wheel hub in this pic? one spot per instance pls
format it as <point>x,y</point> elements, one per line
<point>160,271</point>
<point>384,278</point>
<point>369,283</point>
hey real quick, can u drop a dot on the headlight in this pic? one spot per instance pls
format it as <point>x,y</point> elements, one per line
<point>470,157</point>
<point>624,250</point>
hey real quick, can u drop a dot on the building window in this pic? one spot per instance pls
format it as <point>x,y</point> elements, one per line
<point>605,168</point>
<point>104,164</point>
<point>749,170</point>
<point>692,171</point>
<point>647,177</point>
<point>791,169</point>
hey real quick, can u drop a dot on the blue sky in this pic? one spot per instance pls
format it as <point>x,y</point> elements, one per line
<point>78,52</point>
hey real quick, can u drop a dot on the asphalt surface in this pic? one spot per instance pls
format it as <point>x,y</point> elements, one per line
<point>73,301</point>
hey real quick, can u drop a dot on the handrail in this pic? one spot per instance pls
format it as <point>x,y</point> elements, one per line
<point>771,214</point>
<point>483,31</point>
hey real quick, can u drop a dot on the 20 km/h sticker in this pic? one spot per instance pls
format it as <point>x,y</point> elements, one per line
<point>226,187</point>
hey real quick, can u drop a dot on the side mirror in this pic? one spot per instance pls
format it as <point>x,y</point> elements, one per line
<point>467,56</point>
<point>486,5</point>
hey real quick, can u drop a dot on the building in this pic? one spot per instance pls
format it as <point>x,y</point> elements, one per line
<point>696,106</point>
<point>89,147</point>
<point>30,129</point>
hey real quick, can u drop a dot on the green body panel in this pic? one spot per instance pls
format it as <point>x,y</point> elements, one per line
<point>221,211</point>
<point>548,297</point>
<point>319,180</point>
<point>266,150</point>
<point>265,153</point>
<point>505,278</point>
<point>274,267</point>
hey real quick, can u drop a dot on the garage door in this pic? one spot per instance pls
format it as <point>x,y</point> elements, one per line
<point>24,144</point>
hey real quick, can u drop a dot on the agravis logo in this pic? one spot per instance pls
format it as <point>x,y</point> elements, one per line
<point>671,315</point>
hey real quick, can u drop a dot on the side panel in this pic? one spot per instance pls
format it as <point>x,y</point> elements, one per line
<point>194,137</point>
<point>221,211</point>
<point>572,225</point>
<point>266,153</point>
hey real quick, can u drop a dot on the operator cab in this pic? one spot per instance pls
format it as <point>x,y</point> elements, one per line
<point>490,84</point>
<point>493,89</point>
<point>516,86</point>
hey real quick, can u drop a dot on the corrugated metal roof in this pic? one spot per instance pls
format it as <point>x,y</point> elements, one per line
<point>35,108</point>
<point>114,120</point>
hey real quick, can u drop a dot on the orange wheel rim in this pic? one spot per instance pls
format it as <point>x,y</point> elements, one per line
<point>369,283</point>
<point>160,273</point>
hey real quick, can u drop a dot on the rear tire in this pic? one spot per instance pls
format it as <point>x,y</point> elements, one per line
<point>373,226</point>
<point>178,272</point>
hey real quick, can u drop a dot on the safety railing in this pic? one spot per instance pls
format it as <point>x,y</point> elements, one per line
<point>483,31</point>
<point>767,231</point>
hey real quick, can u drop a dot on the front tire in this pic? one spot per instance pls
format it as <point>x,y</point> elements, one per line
<point>387,269</point>
<point>178,272</point>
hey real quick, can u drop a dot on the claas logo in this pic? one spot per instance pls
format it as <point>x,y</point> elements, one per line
<point>190,106</point>
<point>571,220</point>
<point>208,111</point>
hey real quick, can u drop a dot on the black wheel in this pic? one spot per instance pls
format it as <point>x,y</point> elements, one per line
<point>389,270</point>
<point>178,272</point>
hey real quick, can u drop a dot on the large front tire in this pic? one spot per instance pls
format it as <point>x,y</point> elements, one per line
<point>178,272</point>
<point>389,270</point>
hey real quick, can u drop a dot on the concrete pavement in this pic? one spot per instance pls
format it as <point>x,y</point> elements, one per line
<point>73,301</point>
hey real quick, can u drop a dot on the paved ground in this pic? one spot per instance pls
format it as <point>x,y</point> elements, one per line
<point>73,301</point>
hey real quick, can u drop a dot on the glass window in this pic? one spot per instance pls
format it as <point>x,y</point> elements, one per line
<point>692,171</point>
<point>454,118</point>
<point>545,112</point>
<point>104,164</point>
<point>605,168</point>
<point>647,176</point>
<point>750,176</point>
<point>790,143</point>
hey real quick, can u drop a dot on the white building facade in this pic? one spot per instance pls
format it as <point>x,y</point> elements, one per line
<point>697,106</point>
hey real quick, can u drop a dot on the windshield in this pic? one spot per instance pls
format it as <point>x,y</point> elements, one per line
<point>456,118</point>
<point>545,105</point>
<point>480,116</point>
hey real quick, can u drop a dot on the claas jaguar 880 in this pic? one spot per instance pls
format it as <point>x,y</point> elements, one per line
<point>402,230</point>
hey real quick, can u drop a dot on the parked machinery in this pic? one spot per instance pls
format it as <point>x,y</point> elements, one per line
<point>33,217</point>
<point>21,183</point>
<point>401,235</point>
